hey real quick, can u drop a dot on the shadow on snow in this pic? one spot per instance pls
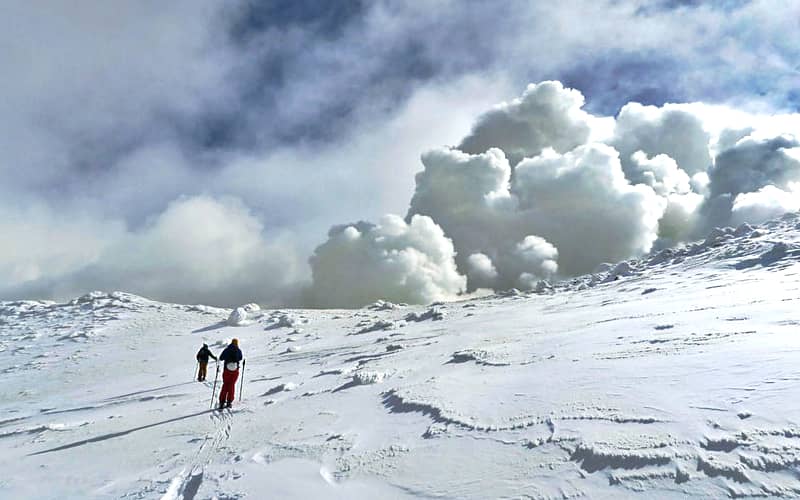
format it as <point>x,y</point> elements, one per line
<point>113,435</point>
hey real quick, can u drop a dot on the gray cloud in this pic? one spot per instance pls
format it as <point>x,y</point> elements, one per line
<point>752,180</point>
<point>752,164</point>
<point>191,252</point>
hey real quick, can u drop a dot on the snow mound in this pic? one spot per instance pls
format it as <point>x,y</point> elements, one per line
<point>282,319</point>
<point>743,230</point>
<point>369,377</point>
<point>381,325</point>
<point>434,313</point>
<point>385,305</point>
<point>204,309</point>
<point>621,270</point>
<point>777,252</point>
<point>718,236</point>
<point>244,315</point>
<point>543,286</point>
<point>252,308</point>
<point>238,317</point>
<point>285,387</point>
<point>479,356</point>
<point>115,300</point>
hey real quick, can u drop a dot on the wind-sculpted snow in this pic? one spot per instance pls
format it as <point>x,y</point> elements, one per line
<point>244,315</point>
<point>378,326</point>
<point>480,356</point>
<point>593,458</point>
<point>668,376</point>
<point>435,313</point>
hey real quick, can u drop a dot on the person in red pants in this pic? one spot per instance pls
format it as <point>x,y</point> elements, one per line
<point>230,357</point>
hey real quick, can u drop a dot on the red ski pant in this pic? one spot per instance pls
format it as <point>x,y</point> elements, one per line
<point>228,385</point>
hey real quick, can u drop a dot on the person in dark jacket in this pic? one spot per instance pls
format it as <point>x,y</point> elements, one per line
<point>231,357</point>
<point>202,358</point>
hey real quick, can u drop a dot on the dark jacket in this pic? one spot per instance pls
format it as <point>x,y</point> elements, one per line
<point>204,353</point>
<point>231,354</point>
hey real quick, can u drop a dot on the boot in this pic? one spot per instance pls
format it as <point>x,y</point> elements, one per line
<point>228,404</point>
<point>221,405</point>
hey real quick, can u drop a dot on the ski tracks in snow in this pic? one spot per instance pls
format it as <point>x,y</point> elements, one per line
<point>186,484</point>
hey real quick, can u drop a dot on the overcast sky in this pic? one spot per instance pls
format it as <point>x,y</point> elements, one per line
<point>200,150</point>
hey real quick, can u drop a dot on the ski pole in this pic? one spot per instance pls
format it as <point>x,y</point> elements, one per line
<point>215,386</point>
<point>241,387</point>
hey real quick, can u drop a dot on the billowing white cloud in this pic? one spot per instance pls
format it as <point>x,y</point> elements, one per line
<point>468,195</point>
<point>564,203</point>
<point>582,203</point>
<point>680,218</point>
<point>575,196</point>
<point>682,193</point>
<point>393,260</point>
<point>567,211</point>
<point>536,258</point>
<point>680,170</point>
<point>673,130</point>
<point>660,173</point>
<point>459,185</point>
<point>547,115</point>
<point>521,265</point>
<point>481,271</point>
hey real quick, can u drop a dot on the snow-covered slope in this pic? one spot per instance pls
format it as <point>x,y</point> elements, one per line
<point>675,375</point>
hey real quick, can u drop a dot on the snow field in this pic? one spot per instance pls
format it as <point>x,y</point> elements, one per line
<point>671,375</point>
